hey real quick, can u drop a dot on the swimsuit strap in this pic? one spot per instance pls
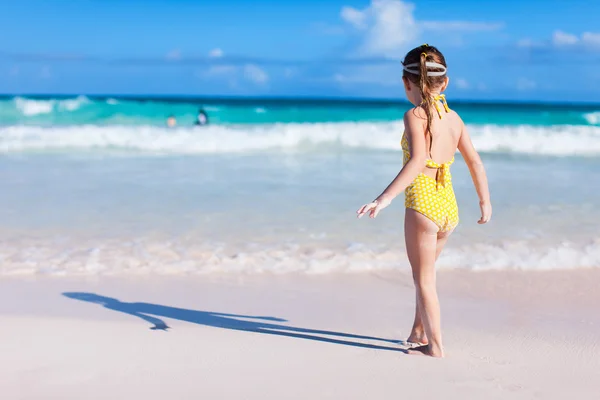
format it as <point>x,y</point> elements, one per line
<point>442,98</point>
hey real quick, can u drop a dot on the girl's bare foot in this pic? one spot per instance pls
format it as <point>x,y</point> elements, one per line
<point>427,350</point>
<point>417,337</point>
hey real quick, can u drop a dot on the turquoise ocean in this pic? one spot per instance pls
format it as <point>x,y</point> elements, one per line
<point>100,185</point>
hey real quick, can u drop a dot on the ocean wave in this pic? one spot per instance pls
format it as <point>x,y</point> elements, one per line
<point>592,118</point>
<point>144,257</point>
<point>72,104</point>
<point>33,107</point>
<point>30,107</point>
<point>556,140</point>
<point>559,140</point>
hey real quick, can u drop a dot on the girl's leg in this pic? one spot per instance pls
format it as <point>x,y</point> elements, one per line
<point>421,236</point>
<point>417,333</point>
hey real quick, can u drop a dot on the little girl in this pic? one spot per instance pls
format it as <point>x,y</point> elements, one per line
<point>432,134</point>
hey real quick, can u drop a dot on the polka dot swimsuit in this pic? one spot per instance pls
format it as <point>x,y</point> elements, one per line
<point>434,198</point>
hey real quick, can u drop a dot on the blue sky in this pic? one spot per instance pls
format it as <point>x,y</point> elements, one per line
<point>509,50</point>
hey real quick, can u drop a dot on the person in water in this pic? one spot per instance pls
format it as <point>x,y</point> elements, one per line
<point>202,118</point>
<point>432,135</point>
<point>171,121</point>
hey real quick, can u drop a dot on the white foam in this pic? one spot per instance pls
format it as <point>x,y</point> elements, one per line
<point>29,107</point>
<point>72,104</point>
<point>260,110</point>
<point>551,140</point>
<point>142,256</point>
<point>554,140</point>
<point>592,118</point>
<point>521,255</point>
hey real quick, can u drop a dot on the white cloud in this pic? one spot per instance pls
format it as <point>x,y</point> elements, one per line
<point>591,38</point>
<point>564,39</point>
<point>216,53</point>
<point>255,74</point>
<point>389,28</point>
<point>524,84</point>
<point>462,84</point>
<point>561,38</point>
<point>388,25</point>
<point>173,55</point>
<point>461,26</point>
<point>354,17</point>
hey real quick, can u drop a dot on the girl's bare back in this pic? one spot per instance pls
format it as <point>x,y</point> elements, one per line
<point>445,133</point>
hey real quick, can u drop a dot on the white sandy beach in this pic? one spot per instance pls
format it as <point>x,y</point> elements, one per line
<point>510,335</point>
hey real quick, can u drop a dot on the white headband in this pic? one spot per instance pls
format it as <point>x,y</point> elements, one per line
<point>408,68</point>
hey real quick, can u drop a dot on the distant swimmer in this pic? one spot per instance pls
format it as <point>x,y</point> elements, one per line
<point>171,121</point>
<point>202,118</point>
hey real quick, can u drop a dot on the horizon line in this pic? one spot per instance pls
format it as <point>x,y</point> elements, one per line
<point>289,98</point>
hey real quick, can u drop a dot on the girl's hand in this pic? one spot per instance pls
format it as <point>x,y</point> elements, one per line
<point>486,212</point>
<point>374,207</point>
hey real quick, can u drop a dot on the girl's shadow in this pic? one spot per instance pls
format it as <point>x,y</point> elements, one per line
<point>266,325</point>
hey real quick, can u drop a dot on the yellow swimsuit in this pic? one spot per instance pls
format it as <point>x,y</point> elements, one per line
<point>434,198</point>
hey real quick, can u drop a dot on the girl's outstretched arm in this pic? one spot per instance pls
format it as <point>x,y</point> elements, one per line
<point>414,128</point>
<point>466,148</point>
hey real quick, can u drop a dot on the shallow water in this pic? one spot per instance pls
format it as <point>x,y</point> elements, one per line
<point>111,199</point>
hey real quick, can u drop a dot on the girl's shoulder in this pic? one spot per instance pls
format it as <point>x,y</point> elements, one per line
<point>415,114</point>
<point>454,118</point>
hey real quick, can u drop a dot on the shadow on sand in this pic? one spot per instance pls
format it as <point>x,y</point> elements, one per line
<point>258,324</point>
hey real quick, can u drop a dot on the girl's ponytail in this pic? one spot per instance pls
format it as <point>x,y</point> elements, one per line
<point>424,87</point>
